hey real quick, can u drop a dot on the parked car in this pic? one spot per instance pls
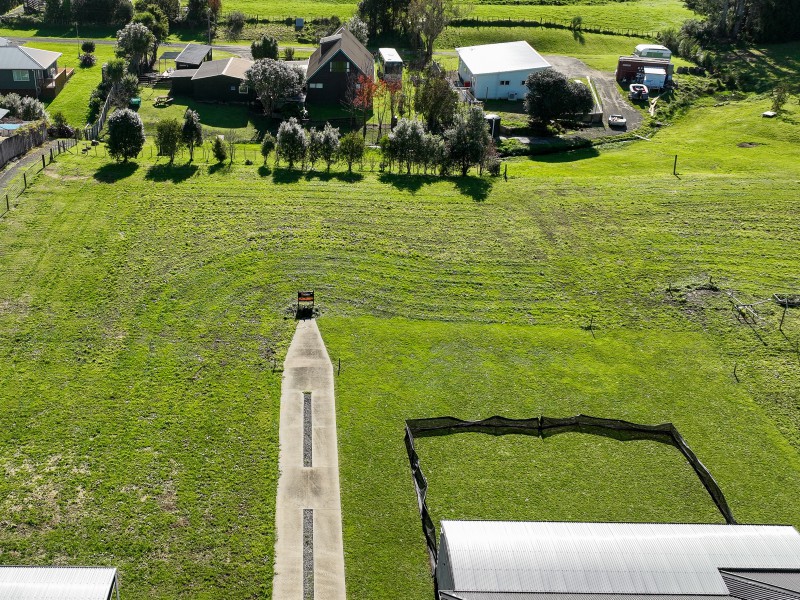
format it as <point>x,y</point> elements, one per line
<point>617,121</point>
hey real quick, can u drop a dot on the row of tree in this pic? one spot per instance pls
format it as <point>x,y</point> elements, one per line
<point>742,20</point>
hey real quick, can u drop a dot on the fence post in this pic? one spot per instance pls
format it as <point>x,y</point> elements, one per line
<point>8,206</point>
<point>25,180</point>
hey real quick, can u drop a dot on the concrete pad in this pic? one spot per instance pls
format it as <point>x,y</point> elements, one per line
<point>308,369</point>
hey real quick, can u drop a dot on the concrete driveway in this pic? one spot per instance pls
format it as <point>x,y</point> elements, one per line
<point>607,89</point>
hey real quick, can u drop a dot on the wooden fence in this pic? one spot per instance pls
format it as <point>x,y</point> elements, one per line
<point>92,132</point>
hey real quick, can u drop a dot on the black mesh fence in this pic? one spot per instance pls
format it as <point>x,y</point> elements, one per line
<point>543,427</point>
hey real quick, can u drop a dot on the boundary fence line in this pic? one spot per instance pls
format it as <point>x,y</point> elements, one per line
<point>19,183</point>
<point>543,427</point>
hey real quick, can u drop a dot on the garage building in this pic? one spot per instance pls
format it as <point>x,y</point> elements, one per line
<point>498,71</point>
<point>501,560</point>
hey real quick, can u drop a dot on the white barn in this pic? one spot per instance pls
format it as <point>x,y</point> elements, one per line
<point>493,560</point>
<point>498,71</point>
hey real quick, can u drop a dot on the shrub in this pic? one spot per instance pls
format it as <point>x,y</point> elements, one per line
<point>236,22</point>
<point>60,128</point>
<point>12,102</point>
<point>288,53</point>
<point>125,134</point>
<point>218,149</point>
<point>88,47</point>
<point>351,149</point>
<point>267,145</point>
<point>266,47</point>
<point>87,60</point>
<point>31,109</point>
<point>292,141</point>
<point>168,137</point>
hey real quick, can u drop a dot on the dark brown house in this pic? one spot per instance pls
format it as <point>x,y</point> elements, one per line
<point>339,58</point>
<point>221,80</point>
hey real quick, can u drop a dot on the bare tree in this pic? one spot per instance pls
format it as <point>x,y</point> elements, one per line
<point>428,19</point>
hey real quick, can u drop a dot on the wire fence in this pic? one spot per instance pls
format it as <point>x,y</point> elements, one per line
<point>21,180</point>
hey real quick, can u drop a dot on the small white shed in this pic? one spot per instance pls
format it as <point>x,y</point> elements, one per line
<point>498,71</point>
<point>655,77</point>
<point>58,583</point>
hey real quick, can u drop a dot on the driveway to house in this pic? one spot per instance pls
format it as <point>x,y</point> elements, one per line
<point>608,90</point>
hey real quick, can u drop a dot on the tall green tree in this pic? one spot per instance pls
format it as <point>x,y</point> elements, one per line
<point>552,96</point>
<point>273,80</point>
<point>292,142</point>
<point>435,99</point>
<point>192,131</point>
<point>169,138</point>
<point>266,47</point>
<point>427,20</point>
<point>466,141</point>
<point>125,135</point>
<point>351,149</point>
<point>133,43</point>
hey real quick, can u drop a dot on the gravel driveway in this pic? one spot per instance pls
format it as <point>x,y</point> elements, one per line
<point>607,89</point>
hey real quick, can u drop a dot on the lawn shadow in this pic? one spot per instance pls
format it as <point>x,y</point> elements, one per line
<point>407,183</point>
<point>216,167</point>
<point>578,36</point>
<point>338,175</point>
<point>114,171</point>
<point>475,187</point>
<point>565,156</point>
<point>170,172</point>
<point>285,175</point>
<point>264,171</point>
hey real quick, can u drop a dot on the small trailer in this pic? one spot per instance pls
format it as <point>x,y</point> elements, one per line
<point>390,64</point>
<point>638,92</point>
<point>630,69</point>
<point>652,51</point>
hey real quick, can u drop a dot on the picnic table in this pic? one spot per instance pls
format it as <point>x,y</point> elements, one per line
<point>163,101</point>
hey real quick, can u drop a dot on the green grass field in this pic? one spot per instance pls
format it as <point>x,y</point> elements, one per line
<point>142,305</point>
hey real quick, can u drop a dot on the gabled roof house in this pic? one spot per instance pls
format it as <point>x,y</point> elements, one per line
<point>338,58</point>
<point>222,80</point>
<point>30,71</point>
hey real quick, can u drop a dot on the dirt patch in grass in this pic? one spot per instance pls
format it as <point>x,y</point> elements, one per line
<point>748,144</point>
<point>60,177</point>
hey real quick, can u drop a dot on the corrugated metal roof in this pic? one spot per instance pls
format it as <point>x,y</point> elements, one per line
<point>610,558</point>
<point>787,580</point>
<point>645,47</point>
<point>232,67</point>
<point>4,112</point>
<point>56,583</point>
<point>193,54</point>
<point>22,57</point>
<point>501,58</point>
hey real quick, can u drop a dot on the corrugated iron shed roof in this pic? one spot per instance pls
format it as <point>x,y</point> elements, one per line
<point>507,57</point>
<point>610,558</point>
<point>445,595</point>
<point>193,54</point>
<point>787,580</point>
<point>56,583</point>
<point>22,57</point>
<point>231,67</point>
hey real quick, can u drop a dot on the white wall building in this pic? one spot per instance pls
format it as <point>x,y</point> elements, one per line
<point>499,71</point>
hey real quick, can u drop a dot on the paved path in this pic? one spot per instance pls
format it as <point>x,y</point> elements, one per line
<point>308,369</point>
<point>12,167</point>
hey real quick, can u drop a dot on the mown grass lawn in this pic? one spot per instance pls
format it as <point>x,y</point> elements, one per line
<point>73,100</point>
<point>142,305</point>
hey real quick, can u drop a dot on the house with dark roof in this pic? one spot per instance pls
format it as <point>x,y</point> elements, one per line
<point>338,59</point>
<point>193,56</point>
<point>221,80</point>
<point>30,71</point>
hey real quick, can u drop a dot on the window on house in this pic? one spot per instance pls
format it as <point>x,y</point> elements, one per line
<point>22,75</point>
<point>522,82</point>
<point>315,86</point>
<point>505,82</point>
<point>244,88</point>
<point>233,88</point>
<point>340,66</point>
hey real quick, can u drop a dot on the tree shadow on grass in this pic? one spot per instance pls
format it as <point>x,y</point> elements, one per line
<point>217,167</point>
<point>408,183</point>
<point>477,188</point>
<point>264,171</point>
<point>338,175</point>
<point>285,175</point>
<point>170,172</point>
<point>114,171</point>
<point>565,156</point>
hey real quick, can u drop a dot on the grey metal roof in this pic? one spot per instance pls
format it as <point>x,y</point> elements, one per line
<point>169,55</point>
<point>193,54</point>
<point>230,67</point>
<point>787,580</point>
<point>56,583</point>
<point>4,112</point>
<point>22,57</point>
<point>607,558</point>
<point>183,74</point>
<point>348,44</point>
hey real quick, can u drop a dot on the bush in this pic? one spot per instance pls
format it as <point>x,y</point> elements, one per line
<point>288,53</point>
<point>267,145</point>
<point>236,22</point>
<point>292,141</point>
<point>87,60</point>
<point>351,149</point>
<point>60,128</point>
<point>88,47</point>
<point>266,47</point>
<point>125,134</point>
<point>218,150</point>
<point>168,137</point>
<point>12,102</point>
